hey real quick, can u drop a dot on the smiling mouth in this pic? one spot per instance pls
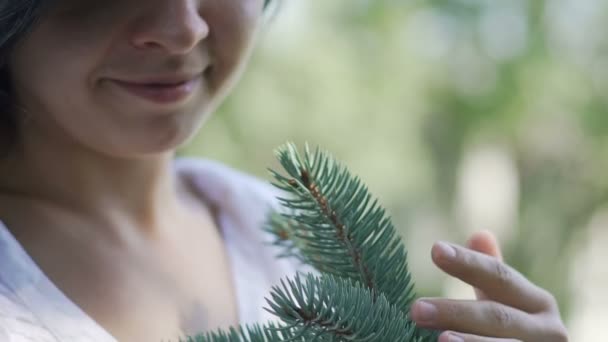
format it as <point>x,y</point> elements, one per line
<point>161,92</point>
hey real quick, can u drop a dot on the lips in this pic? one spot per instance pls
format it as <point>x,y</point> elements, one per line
<point>163,80</point>
<point>161,90</point>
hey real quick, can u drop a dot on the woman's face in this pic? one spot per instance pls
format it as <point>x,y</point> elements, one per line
<point>130,77</point>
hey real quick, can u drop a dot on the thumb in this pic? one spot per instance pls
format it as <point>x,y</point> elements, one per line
<point>484,242</point>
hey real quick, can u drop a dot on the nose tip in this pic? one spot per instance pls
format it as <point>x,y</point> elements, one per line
<point>177,29</point>
<point>188,36</point>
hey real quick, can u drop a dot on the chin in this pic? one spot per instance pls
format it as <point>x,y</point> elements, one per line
<point>145,133</point>
<point>158,140</point>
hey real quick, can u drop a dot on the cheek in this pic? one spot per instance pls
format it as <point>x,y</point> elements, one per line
<point>53,65</point>
<point>80,21</point>
<point>49,78</point>
<point>71,40</point>
<point>233,24</point>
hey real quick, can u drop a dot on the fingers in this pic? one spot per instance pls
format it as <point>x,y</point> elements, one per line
<point>496,280</point>
<point>484,318</point>
<point>450,336</point>
<point>512,308</point>
<point>484,242</point>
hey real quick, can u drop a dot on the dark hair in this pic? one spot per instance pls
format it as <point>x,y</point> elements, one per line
<point>17,17</point>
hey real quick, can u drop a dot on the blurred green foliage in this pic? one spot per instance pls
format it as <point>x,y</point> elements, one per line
<point>401,91</point>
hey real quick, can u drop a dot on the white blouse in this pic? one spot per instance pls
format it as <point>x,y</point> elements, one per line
<point>32,308</point>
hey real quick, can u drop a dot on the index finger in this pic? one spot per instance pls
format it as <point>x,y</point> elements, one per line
<point>498,281</point>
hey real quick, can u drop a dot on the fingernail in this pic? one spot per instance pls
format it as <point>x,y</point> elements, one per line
<point>445,251</point>
<point>455,338</point>
<point>424,312</point>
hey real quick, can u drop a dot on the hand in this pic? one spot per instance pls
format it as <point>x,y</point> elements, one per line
<point>508,308</point>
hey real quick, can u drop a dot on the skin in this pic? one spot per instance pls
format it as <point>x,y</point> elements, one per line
<point>508,307</point>
<point>90,182</point>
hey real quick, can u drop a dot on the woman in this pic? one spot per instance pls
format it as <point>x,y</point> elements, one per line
<point>104,236</point>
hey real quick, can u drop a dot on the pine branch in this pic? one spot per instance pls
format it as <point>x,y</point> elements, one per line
<point>255,333</point>
<point>324,308</point>
<point>336,309</point>
<point>365,290</point>
<point>336,226</point>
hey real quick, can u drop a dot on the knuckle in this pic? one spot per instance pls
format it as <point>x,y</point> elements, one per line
<point>503,274</point>
<point>502,318</point>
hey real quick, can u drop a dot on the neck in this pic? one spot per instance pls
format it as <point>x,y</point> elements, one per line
<point>140,192</point>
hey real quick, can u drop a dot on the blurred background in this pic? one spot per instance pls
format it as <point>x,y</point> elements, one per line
<point>460,115</point>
